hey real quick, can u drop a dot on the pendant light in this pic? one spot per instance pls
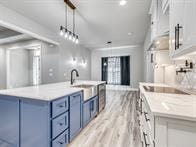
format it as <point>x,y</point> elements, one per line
<point>72,36</point>
<point>77,39</point>
<point>61,31</point>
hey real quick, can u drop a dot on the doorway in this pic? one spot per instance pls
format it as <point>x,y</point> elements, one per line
<point>23,66</point>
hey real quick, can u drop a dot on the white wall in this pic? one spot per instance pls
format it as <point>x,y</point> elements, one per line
<point>55,60</point>
<point>136,62</point>
<point>148,68</point>
<point>19,68</point>
<point>57,65</point>
<point>2,68</point>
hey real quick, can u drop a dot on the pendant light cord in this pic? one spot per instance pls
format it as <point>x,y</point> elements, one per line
<point>66,16</point>
<point>74,21</point>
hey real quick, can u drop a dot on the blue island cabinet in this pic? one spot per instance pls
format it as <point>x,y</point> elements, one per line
<point>9,122</point>
<point>28,122</point>
<point>75,115</point>
<point>90,110</point>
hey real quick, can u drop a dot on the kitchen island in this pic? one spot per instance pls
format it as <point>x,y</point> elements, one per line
<point>167,116</point>
<point>45,116</point>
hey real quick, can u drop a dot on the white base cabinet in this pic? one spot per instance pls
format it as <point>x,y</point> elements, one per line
<point>159,131</point>
<point>174,133</point>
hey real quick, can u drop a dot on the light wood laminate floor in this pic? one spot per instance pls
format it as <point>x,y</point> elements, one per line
<point>115,126</point>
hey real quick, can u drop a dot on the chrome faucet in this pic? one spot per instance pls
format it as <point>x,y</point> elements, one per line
<point>77,74</point>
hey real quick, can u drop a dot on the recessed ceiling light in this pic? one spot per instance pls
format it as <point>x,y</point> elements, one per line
<point>123,2</point>
<point>158,42</point>
<point>51,45</point>
<point>130,33</point>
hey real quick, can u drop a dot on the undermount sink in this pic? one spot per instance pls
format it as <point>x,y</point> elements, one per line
<point>89,91</point>
<point>83,86</point>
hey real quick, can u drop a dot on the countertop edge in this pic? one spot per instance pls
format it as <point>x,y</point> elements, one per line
<point>23,93</point>
<point>161,114</point>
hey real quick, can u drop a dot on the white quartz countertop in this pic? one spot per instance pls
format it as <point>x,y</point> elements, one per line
<point>177,106</point>
<point>48,92</point>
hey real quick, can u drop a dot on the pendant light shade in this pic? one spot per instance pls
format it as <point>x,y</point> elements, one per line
<point>61,31</point>
<point>70,35</point>
<point>77,40</point>
<point>74,38</point>
<point>66,33</point>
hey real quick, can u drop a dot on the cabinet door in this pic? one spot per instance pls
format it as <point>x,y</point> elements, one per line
<point>189,38</point>
<point>62,140</point>
<point>154,19</point>
<point>176,19</point>
<point>75,115</point>
<point>86,113</point>
<point>181,135</point>
<point>35,121</point>
<point>165,5</point>
<point>94,107</point>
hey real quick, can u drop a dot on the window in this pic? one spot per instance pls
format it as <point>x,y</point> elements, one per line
<point>114,71</point>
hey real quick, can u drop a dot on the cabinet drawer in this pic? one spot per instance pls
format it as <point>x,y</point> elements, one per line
<point>59,106</point>
<point>147,141</point>
<point>75,99</point>
<point>147,119</point>
<point>59,124</point>
<point>61,141</point>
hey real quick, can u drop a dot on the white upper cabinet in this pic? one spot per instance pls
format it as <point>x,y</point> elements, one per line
<point>189,38</point>
<point>182,27</point>
<point>159,20</point>
<point>176,25</point>
<point>165,6</point>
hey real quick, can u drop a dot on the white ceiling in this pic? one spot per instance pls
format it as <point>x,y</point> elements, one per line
<point>97,21</point>
<point>5,33</point>
<point>11,36</point>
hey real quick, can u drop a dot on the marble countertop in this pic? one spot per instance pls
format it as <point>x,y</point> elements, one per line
<point>48,92</point>
<point>177,106</point>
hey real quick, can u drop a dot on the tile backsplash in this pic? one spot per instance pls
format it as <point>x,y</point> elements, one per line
<point>187,80</point>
